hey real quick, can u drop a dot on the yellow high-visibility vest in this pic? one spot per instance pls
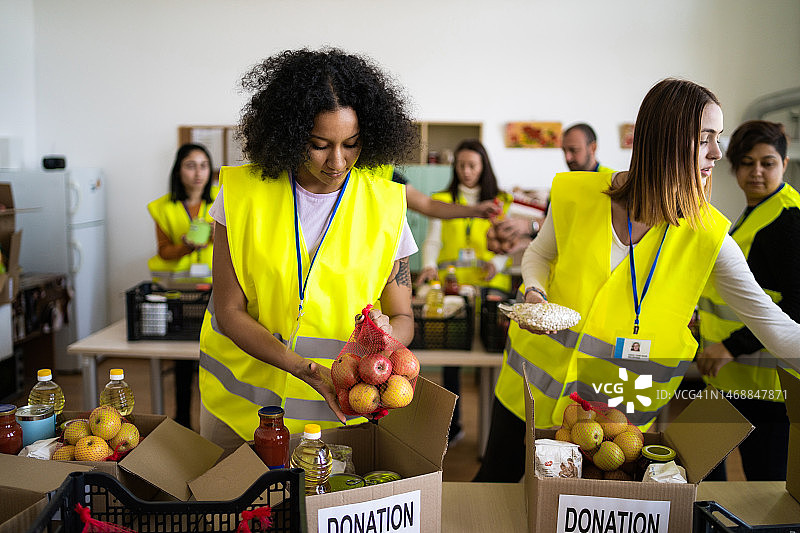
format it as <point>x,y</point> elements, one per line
<point>173,219</point>
<point>753,375</point>
<point>350,271</point>
<point>582,359</point>
<point>458,233</point>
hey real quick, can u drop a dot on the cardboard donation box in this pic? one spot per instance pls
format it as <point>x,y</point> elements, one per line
<point>410,441</point>
<point>791,389</point>
<point>707,430</point>
<point>9,245</point>
<point>25,484</point>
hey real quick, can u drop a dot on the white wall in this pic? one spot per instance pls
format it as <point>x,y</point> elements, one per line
<point>114,79</point>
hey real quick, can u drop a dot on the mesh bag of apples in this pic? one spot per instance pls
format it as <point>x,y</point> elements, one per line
<point>605,436</point>
<point>373,372</point>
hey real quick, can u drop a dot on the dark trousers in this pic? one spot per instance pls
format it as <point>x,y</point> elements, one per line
<point>765,451</point>
<point>184,374</point>
<point>504,458</point>
<point>451,379</point>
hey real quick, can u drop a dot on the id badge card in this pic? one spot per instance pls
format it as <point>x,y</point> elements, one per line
<point>199,270</point>
<point>634,347</point>
<point>467,257</point>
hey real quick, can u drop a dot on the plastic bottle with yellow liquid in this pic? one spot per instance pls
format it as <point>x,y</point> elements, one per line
<point>47,392</point>
<point>118,393</point>
<point>313,456</point>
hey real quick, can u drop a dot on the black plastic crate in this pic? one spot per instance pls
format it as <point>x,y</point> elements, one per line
<point>179,317</point>
<point>709,516</point>
<point>450,333</point>
<point>108,501</point>
<point>493,323</point>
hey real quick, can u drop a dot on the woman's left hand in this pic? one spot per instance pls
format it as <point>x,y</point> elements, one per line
<point>380,320</point>
<point>713,358</point>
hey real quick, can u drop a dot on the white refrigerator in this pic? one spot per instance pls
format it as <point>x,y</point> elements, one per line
<point>63,222</point>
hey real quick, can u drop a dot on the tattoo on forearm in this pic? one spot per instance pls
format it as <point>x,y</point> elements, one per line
<point>402,276</point>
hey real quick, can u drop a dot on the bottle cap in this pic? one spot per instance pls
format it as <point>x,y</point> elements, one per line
<point>8,409</point>
<point>312,431</point>
<point>44,375</point>
<point>657,452</point>
<point>271,411</point>
<point>116,373</point>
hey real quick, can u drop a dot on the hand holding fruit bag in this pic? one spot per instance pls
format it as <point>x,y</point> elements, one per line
<point>373,372</point>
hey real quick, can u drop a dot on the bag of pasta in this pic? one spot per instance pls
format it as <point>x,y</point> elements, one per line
<point>373,372</point>
<point>605,435</point>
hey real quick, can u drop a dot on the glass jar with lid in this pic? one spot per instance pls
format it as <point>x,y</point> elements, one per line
<point>10,430</point>
<point>271,438</point>
<point>653,453</point>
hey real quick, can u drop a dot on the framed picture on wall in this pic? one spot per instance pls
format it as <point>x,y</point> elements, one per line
<point>626,135</point>
<point>533,135</point>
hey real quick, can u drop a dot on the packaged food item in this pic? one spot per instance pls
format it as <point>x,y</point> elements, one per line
<point>545,316</point>
<point>667,472</point>
<point>344,481</point>
<point>555,458</point>
<point>10,430</point>
<point>38,422</point>
<point>117,393</point>
<point>313,456</point>
<point>653,454</point>
<point>342,459</point>
<point>271,438</point>
<point>381,476</point>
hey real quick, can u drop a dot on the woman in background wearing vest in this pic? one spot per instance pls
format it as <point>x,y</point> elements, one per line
<point>307,236</point>
<point>732,358</point>
<point>188,201</point>
<point>461,242</point>
<point>631,252</point>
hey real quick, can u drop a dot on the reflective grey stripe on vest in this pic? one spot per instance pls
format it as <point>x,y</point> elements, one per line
<point>602,350</point>
<point>543,381</point>
<point>304,346</point>
<point>720,310</point>
<point>257,395</point>
<point>462,264</point>
<point>298,409</point>
<point>169,274</point>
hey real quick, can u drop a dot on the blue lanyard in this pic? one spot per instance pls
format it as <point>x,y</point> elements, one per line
<point>637,303</point>
<point>302,284</point>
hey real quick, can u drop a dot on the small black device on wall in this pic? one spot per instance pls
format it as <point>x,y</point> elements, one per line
<point>54,162</point>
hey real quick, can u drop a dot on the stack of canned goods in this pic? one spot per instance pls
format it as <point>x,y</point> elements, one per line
<point>352,481</point>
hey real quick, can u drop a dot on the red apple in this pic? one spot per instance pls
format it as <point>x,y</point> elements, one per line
<point>405,363</point>
<point>343,397</point>
<point>375,368</point>
<point>344,371</point>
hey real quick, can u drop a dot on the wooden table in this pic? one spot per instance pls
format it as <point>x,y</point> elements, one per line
<point>758,503</point>
<point>112,342</point>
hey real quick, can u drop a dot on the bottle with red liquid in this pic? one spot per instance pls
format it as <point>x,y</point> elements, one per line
<point>271,438</point>
<point>10,430</point>
<point>451,281</point>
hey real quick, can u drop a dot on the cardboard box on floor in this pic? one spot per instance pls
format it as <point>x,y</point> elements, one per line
<point>159,468</point>
<point>791,387</point>
<point>411,441</point>
<point>707,430</point>
<point>9,242</point>
<point>24,486</point>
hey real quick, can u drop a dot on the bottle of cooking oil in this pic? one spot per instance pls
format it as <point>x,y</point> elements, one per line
<point>47,392</point>
<point>434,301</point>
<point>117,393</point>
<point>313,456</point>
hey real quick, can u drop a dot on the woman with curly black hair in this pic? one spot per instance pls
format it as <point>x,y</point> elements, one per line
<point>307,236</point>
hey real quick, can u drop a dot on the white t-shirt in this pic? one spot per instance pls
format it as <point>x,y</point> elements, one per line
<point>730,275</point>
<point>314,212</point>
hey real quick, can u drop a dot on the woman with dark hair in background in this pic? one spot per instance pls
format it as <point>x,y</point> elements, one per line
<point>182,256</point>
<point>631,252</point>
<point>307,236</point>
<point>461,242</point>
<point>732,358</point>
